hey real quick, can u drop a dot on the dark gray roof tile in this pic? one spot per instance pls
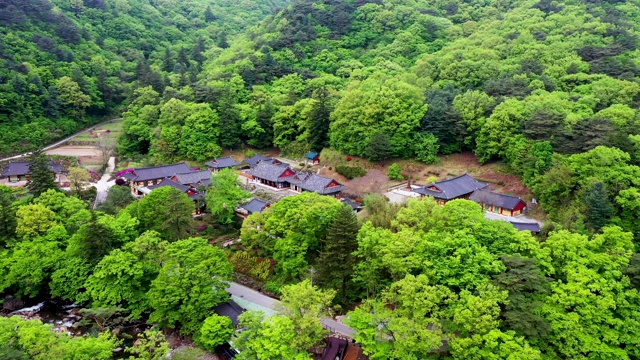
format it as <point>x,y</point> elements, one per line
<point>525,226</point>
<point>270,172</point>
<point>491,198</point>
<point>255,205</point>
<point>169,182</point>
<point>452,188</point>
<point>158,172</point>
<point>194,177</point>
<point>223,162</point>
<point>22,168</point>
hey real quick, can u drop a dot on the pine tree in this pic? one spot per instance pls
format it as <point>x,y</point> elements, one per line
<point>168,63</point>
<point>264,117</point>
<point>197,50</point>
<point>319,129</point>
<point>229,119</point>
<point>183,58</point>
<point>41,178</point>
<point>599,208</point>
<point>335,263</point>
<point>379,147</point>
<point>208,15</point>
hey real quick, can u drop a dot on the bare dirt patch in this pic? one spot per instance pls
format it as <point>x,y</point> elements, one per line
<point>88,156</point>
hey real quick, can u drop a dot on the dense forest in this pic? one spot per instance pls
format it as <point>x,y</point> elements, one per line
<point>549,88</point>
<point>65,64</point>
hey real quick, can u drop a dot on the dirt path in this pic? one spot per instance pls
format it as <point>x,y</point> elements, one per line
<point>103,185</point>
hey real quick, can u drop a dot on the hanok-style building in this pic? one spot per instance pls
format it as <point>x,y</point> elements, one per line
<point>194,179</point>
<point>145,177</point>
<point>498,203</point>
<point>526,226</point>
<point>253,206</point>
<point>18,171</point>
<point>305,181</point>
<point>313,157</point>
<point>283,177</point>
<point>261,159</point>
<point>272,175</point>
<point>459,187</point>
<point>355,206</point>
<point>218,164</point>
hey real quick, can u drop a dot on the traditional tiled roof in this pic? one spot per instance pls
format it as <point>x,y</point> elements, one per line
<point>223,162</point>
<point>229,309</point>
<point>490,198</point>
<point>255,159</point>
<point>169,182</point>
<point>354,205</point>
<point>22,168</point>
<point>311,155</point>
<point>194,177</point>
<point>526,226</point>
<point>157,172</point>
<point>269,172</point>
<point>255,205</point>
<point>452,188</point>
<point>316,183</point>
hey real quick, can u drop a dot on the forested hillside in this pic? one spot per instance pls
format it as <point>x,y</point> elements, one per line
<point>526,82</point>
<point>66,63</point>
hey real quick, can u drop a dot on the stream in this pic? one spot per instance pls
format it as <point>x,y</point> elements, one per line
<point>65,318</point>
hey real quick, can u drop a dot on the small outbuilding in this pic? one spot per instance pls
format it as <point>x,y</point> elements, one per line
<point>313,157</point>
<point>19,170</point>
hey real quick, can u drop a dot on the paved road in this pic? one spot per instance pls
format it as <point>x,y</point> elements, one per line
<point>263,300</point>
<point>61,142</point>
<point>103,185</point>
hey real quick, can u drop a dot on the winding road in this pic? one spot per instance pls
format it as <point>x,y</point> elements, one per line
<point>263,300</point>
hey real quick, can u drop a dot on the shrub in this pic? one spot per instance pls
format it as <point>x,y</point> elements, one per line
<point>394,172</point>
<point>216,330</point>
<point>351,172</point>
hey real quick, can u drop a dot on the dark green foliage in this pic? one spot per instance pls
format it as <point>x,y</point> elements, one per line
<point>41,178</point>
<point>118,197</point>
<point>599,207</point>
<point>7,215</point>
<point>351,172</point>
<point>336,260</point>
<point>526,285</point>
<point>319,118</point>
<point>378,148</point>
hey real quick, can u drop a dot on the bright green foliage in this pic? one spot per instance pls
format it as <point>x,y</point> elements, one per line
<point>224,195</point>
<point>190,283</point>
<point>378,104</point>
<point>34,340</point>
<point>34,220</point>
<point>305,305</point>
<point>166,210</point>
<point>69,278</point>
<point>151,345</point>
<point>216,330</point>
<point>426,148</point>
<point>266,338</point>
<point>292,232</point>
<point>394,172</point>
<point>70,211</point>
<point>28,266</point>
